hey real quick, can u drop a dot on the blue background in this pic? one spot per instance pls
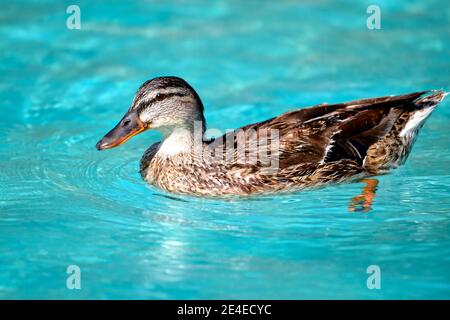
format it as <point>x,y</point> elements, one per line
<point>63,203</point>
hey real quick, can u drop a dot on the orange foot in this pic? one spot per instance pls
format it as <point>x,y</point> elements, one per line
<point>363,202</point>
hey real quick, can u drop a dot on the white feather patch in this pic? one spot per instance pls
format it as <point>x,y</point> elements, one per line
<point>177,142</point>
<point>415,121</point>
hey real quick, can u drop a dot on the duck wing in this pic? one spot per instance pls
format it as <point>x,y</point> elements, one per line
<point>331,132</point>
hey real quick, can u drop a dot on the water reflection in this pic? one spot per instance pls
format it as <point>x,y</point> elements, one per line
<point>364,201</point>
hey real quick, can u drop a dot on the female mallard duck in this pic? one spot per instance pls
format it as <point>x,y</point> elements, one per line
<point>308,147</point>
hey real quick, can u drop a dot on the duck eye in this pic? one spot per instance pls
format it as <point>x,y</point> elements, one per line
<point>158,95</point>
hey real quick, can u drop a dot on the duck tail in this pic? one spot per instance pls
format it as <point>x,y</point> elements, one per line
<point>422,109</point>
<point>393,149</point>
<point>431,98</point>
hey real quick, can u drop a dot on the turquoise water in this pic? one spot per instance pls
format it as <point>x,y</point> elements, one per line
<point>64,203</point>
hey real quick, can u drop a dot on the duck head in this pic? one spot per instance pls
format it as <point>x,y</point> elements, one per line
<point>164,103</point>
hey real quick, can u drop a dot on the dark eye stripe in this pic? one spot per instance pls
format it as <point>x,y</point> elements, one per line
<point>162,96</point>
<point>159,97</point>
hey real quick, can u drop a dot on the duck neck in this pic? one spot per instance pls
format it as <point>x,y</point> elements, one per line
<point>182,140</point>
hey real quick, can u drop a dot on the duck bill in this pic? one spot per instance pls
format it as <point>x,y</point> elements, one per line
<point>128,127</point>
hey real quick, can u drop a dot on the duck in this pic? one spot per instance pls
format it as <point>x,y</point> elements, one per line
<point>302,149</point>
